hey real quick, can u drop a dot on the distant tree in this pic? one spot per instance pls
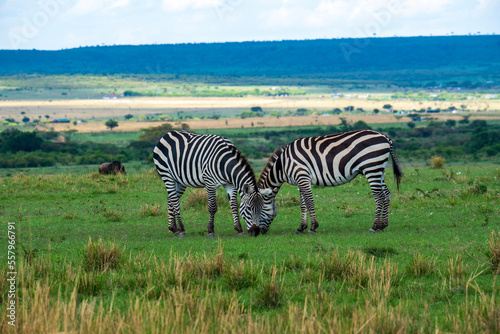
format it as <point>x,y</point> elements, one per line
<point>301,112</point>
<point>466,84</point>
<point>479,123</point>
<point>387,106</point>
<point>359,125</point>
<point>47,116</point>
<point>13,140</point>
<point>349,108</point>
<point>411,125</point>
<point>69,133</point>
<point>376,111</point>
<point>111,124</point>
<point>10,120</point>
<point>336,111</point>
<point>256,109</point>
<point>464,120</point>
<point>451,123</point>
<point>152,135</point>
<point>128,116</point>
<point>26,119</point>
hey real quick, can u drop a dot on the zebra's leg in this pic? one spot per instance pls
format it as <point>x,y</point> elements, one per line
<point>232,194</point>
<point>384,216</point>
<point>181,232</point>
<point>307,199</point>
<point>212,207</point>
<point>303,209</point>
<point>173,204</point>
<point>379,202</point>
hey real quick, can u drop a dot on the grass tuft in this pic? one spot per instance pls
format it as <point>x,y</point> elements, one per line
<point>379,251</point>
<point>493,253</point>
<point>151,210</point>
<point>240,276</point>
<point>101,256</point>
<point>420,266</point>
<point>270,292</point>
<point>112,216</point>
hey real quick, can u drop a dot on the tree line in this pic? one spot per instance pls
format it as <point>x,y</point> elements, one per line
<point>466,141</point>
<point>380,59</point>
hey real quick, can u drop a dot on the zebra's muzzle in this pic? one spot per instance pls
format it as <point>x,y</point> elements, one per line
<point>254,230</point>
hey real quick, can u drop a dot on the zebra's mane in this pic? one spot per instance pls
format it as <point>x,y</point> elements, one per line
<point>270,163</point>
<point>244,161</point>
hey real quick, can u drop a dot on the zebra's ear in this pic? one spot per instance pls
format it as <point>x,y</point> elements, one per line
<point>266,192</point>
<point>247,189</point>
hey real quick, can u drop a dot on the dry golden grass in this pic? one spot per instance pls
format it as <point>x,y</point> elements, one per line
<point>258,122</point>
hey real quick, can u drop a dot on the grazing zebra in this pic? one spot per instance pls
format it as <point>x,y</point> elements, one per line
<point>330,160</point>
<point>184,159</point>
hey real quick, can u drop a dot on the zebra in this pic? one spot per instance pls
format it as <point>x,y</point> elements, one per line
<point>185,159</point>
<point>330,160</point>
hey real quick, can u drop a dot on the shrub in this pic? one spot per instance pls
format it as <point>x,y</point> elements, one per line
<point>437,162</point>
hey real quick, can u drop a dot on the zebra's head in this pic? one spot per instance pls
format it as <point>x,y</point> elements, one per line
<point>269,209</point>
<point>252,205</point>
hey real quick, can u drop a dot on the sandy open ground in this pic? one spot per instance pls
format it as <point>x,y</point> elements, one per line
<point>104,109</point>
<point>257,122</point>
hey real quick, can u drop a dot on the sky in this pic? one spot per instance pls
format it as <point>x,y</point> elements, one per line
<point>63,24</point>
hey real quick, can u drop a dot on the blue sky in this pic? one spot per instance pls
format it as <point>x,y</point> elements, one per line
<point>59,24</point>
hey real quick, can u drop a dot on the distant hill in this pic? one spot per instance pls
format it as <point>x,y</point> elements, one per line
<point>473,58</point>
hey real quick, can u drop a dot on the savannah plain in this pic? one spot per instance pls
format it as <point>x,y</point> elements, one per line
<point>95,110</point>
<point>94,254</point>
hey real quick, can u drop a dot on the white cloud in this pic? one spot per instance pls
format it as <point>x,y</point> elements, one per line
<point>119,4</point>
<point>93,22</point>
<point>423,7</point>
<point>181,5</point>
<point>281,17</point>
<point>328,12</point>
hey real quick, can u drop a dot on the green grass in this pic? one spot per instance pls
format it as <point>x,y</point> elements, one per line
<point>108,137</point>
<point>432,269</point>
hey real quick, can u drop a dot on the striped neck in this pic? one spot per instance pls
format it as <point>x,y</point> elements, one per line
<point>240,172</point>
<point>272,174</point>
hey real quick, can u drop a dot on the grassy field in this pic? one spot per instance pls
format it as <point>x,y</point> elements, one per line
<point>94,255</point>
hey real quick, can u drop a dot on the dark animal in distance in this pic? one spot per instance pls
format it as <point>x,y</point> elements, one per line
<point>114,167</point>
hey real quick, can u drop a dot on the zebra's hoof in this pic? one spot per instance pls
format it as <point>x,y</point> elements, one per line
<point>211,235</point>
<point>312,232</point>
<point>180,234</point>
<point>376,231</point>
<point>298,232</point>
<point>241,234</point>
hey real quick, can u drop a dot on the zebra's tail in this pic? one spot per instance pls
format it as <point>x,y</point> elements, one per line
<point>398,171</point>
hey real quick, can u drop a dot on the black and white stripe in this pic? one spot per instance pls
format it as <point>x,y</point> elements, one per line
<point>184,159</point>
<point>330,160</point>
